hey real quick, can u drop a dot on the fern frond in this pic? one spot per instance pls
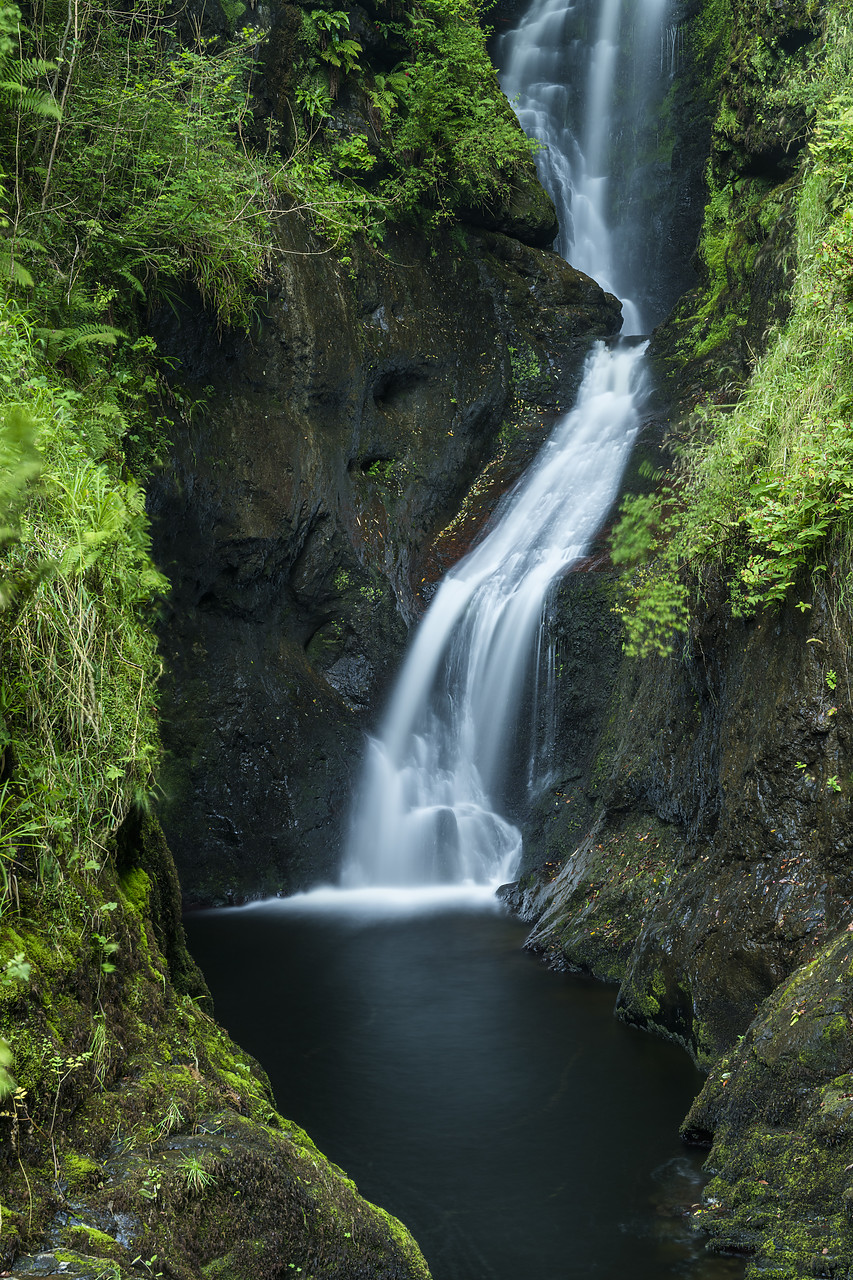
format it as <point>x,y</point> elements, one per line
<point>29,68</point>
<point>29,246</point>
<point>58,342</point>
<point>35,101</point>
<point>86,333</point>
<point>11,269</point>
<point>131,279</point>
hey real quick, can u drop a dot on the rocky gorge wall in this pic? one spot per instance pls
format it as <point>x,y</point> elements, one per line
<point>695,850</point>
<point>297,513</point>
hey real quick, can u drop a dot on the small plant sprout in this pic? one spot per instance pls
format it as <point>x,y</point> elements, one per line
<point>196,1176</point>
<point>147,1264</point>
<point>17,969</point>
<point>833,784</point>
<point>173,1119</point>
<point>150,1189</point>
<point>106,948</point>
<point>831,680</point>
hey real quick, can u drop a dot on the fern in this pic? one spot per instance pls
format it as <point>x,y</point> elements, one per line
<point>24,97</point>
<point>10,267</point>
<point>58,343</point>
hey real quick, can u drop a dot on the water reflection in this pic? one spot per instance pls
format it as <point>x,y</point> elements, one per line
<point>497,1108</point>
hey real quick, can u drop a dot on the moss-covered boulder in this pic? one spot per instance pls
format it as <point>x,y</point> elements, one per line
<point>778,1110</point>
<point>138,1139</point>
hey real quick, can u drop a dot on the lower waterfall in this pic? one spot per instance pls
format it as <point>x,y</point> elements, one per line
<point>428,806</point>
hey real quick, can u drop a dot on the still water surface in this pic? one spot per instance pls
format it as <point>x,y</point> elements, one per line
<point>498,1109</point>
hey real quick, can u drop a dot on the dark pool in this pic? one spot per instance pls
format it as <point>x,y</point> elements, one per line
<point>500,1110</point>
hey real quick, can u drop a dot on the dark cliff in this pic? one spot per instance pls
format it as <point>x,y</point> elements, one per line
<point>696,851</point>
<point>295,518</point>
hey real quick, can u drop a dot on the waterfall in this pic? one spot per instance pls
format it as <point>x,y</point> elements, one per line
<point>428,809</point>
<point>590,144</point>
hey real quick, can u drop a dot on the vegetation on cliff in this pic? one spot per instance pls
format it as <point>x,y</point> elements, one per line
<point>136,161</point>
<point>761,492</point>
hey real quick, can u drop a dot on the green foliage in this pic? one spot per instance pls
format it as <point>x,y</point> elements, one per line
<point>149,170</point>
<point>7,1080</point>
<point>525,364</point>
<point>16,969</point>
<point>443,128</point>
<point>20,98</point>
<point>79,659</point>
<point>768,496</point>
<point>655,602</point>
<point>454,139</point>
<point>157,173</point>
<point>19,465</point>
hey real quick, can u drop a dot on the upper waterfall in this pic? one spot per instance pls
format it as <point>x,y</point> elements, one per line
<point>428,810</point>
<point>619,51</point>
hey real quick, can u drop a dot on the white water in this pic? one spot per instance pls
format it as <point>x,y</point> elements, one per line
<point>619,67</point>
<point>428,810</point>
<point>426,813</point>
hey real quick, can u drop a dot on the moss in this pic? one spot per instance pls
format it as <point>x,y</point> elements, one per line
<point>135,886</point>
<point>80,1171</point>
<point>406,1244</point>
<point>158,1085</point>
<point>90,1240</point>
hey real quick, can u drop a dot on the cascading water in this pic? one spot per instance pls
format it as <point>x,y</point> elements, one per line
<point>592,142</point>
<point>426,813</point>
<point>427,810</point>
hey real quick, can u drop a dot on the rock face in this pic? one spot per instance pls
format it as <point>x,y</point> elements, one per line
<point>326,453</point>
<point>138,1130</point>
<point>780,1109</point>
<point>719,855</point>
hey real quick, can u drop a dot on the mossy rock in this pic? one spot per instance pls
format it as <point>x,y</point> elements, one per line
<point>140,1131</point>
<point>778,1111</point>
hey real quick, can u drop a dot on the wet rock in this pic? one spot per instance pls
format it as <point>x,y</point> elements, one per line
<point>720,856</point>
<point>300,504</point>
<point>779,1106</point>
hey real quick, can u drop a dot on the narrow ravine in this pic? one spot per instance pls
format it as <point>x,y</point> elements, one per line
<point>431,806</point>
<point>497,1108</point>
